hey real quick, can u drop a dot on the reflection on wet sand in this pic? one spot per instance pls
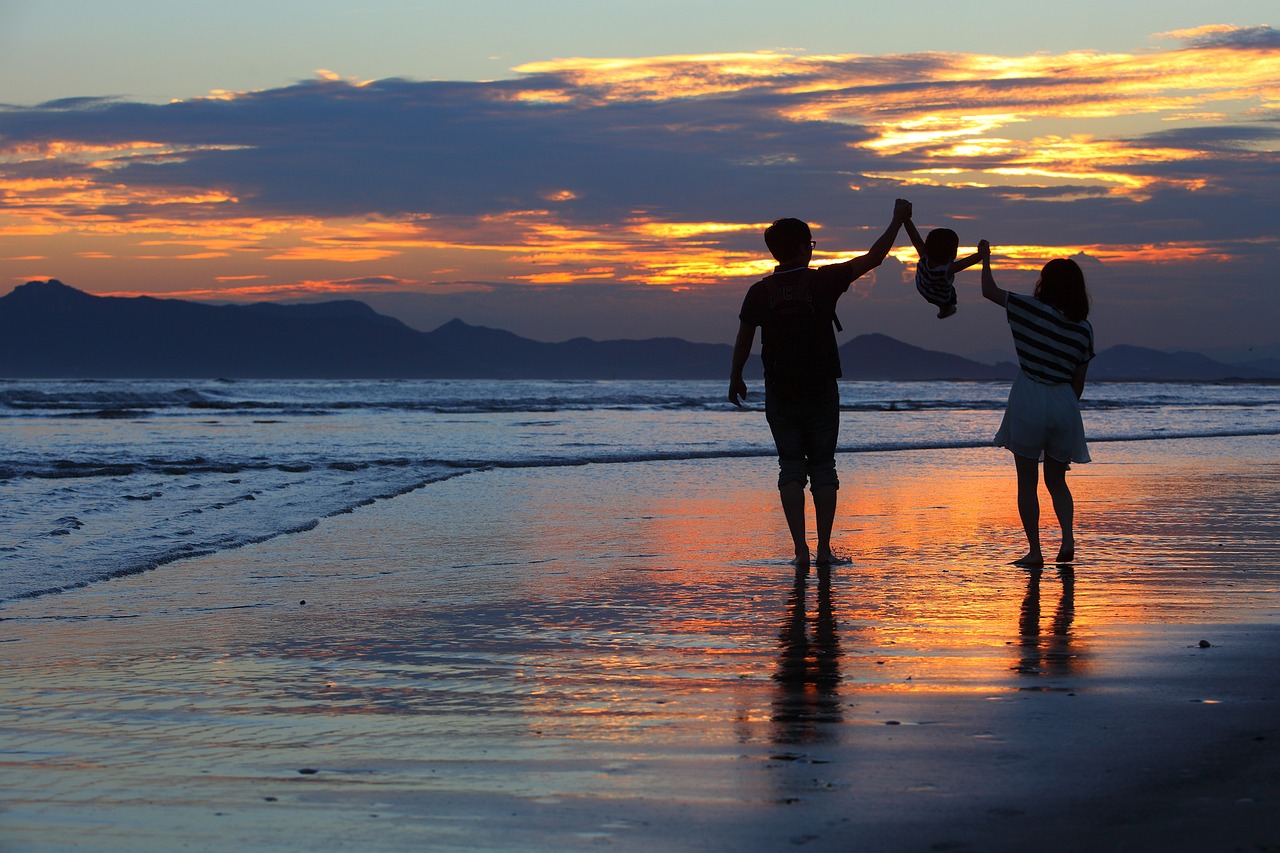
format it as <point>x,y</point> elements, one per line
<point>623,664</point>
<point>807,677</point>
<point>1047,653</point>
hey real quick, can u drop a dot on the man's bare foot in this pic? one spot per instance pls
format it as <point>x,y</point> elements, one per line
<point>800,560</point>
<point>1067,553</point>
<point>1033,560</point>
<point>829,559</point>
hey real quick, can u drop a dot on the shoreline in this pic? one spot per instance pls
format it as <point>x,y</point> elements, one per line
<point>616,655</point>
<point>185,551</point>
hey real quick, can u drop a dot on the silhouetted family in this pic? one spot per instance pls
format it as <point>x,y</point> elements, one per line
<point>794,308</point>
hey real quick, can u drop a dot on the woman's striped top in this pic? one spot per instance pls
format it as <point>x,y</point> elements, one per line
<point>1049,346</point>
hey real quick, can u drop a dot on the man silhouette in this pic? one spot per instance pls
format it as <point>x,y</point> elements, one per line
<point>794,308</point>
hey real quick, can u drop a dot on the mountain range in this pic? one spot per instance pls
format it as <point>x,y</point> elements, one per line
<point>51,330</point>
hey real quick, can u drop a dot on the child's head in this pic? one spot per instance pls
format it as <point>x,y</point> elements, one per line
<point>787,238</point>
<point>941,245</point>
<point>1061,285</point>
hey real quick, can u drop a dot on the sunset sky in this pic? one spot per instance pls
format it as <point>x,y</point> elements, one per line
<point>606,168</point>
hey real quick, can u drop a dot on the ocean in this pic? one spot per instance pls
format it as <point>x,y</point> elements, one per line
<point>101,479</point>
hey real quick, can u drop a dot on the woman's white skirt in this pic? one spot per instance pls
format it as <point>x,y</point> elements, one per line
<point>1043,420</point>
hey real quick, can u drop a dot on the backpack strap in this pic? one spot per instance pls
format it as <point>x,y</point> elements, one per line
<point>808,298</point>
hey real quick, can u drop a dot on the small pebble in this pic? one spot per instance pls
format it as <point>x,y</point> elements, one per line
<point>303,601</point>
<point>1204,644</point>
<point>308,771</point>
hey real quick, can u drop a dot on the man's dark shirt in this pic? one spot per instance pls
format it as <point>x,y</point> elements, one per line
<point>825,286</point>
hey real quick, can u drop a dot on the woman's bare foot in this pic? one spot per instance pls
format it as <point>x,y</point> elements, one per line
<point>1067,553</point>
<point>1032,560</point>
<point>800,560</point>
<point>826,558</point>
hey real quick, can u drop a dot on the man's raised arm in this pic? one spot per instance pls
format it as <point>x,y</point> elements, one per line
<point>880,248</point>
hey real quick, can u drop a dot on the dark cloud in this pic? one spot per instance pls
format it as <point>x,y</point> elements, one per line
<point>1217,138</point>
<point>332,149</point>
<point>1245,38</point>
<point>370,281</point>
<point>78,103</point>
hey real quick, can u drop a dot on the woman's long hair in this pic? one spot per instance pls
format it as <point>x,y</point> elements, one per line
<point>1061,285</point>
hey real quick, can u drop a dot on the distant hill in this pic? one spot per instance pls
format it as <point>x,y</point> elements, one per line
<point>498,354</point>
<point>877,356</point>
<point>50,330</point>
<point>1125,363</point>
<point>1264,367</point>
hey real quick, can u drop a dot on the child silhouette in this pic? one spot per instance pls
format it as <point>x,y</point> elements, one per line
<point>937,266</point>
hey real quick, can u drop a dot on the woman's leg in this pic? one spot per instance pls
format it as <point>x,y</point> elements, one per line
<point>1029,508</point>
<point>1055,480</point>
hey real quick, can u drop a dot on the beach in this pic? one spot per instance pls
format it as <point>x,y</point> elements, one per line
<point>617,656</point>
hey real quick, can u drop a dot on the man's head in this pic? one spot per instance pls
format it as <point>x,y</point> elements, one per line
<point>788,239</point>
<point>941,245</point>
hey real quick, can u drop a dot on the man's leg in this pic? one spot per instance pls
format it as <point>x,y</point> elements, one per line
<point>821,436</point>
<point>792,496</point>
<point>788,437</point>
<point>824,507</point>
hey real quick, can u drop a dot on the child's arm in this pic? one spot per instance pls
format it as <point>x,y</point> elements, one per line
<point>989,288</point>
<point>864,264</point>
<point>915,237</point>
<point>965,263</point>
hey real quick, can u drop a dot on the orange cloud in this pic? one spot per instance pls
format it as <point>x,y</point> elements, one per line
<point>102,156</point>
<point>657,78</point>
<point>286,290</point>
<point>685,230</point>
<point>342,254</point>
<point>962,107</point>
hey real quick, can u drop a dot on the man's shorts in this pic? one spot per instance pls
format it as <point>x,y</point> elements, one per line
<point>805,431</point>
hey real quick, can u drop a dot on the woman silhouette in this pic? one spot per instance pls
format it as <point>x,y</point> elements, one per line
<point>1054,340</point>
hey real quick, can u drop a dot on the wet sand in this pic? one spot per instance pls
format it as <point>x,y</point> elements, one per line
<point>617,657</point>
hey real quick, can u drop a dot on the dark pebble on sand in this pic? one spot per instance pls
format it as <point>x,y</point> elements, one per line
<point>1204,644</point>
<point>308,771</point>
<point>303,601</point>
